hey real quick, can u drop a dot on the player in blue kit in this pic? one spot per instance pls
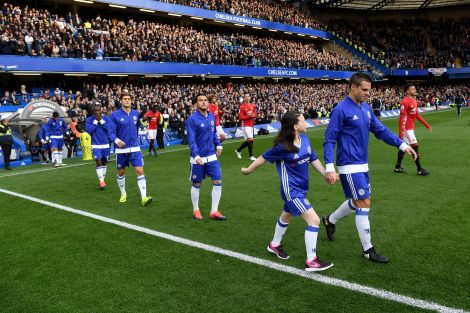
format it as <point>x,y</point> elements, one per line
<point>124,133</point>
<point>98,126</point>
<point>55,129</point>
<point>205,148</point>
<point>293,154</point>
<point>349,127</point>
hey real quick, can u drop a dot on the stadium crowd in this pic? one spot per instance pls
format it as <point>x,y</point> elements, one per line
<point>29,31</point>
<point>272,99</point>
<point>410,43</point>
<point>274,11</point>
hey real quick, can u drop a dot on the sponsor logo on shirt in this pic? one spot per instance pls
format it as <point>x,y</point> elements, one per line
<point>303,161</point>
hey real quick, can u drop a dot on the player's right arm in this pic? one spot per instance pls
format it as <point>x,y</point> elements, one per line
<point>260,161</point>
<point>403,117</point>
<point>91,124</point>
<point>192,139</point>
<point>331,135</point>
<point>112,132</point>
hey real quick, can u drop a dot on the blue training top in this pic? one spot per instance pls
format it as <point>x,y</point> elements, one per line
<point>202,136</point>
<point>349,126</point>
<point>125,127</point>
<point>99,130</point>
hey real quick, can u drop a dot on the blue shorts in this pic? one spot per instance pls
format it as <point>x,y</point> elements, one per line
<point>211,169</point>
<point>297,206</point>
<point>57,143</point>
<point>134,158</point>
<point>100,154</point>
<point>356,185</point>
<point>45,147</point>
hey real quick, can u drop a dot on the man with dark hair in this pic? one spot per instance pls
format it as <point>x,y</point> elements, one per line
<point>55,129</point>
<point>205,148</point>
<point>153,117</point>
<point>459,101</point>
<point>99,128</point>
<point>408,113</point>
<point>377,107</point>
<point>247,115</point>
<point>349,127</point>
<point>125,123</point>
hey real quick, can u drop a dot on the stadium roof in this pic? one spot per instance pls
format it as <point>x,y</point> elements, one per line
<point>387,4</point>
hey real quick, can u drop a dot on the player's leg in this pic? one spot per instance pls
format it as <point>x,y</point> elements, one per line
<point>214,172</point>
<point>360,185</point>
<point>122,162</point>
<point>275,245</point>
<point>54,149</point>
<point>401,154</point>
<point>137,161</point>
<point>346,208</point>
<point>244,144</point>
<point>60,145</point>
<point>414,144</point>
<point>197,174</point>
<point>313,263</point>
<point>250,140</point>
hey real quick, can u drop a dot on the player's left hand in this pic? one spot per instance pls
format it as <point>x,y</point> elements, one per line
<point>411,152</point>
<point>245,171</point>
<point>219,152</point>
<point>430,129</point>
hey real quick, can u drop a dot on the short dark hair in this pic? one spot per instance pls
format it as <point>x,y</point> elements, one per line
<point>55,114</point>
<point>124,94</point>
<point>408,86</point>
<point>197,96</point>
<point>358,78</point>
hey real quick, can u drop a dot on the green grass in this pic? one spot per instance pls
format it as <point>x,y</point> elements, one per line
<point>54,261</point>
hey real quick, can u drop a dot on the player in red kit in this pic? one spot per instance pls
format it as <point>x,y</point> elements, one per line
<point>153,119</point>
<point>247,115</point>
<point>408,113</point>
<point>214,109</point>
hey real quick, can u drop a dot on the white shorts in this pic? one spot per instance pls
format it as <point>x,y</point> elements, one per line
<point>220,130</point>
<point>151,133</point>
<point>409,137</point>
<point>248,132</point>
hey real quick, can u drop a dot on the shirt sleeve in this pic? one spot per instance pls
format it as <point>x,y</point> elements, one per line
<point>90,126</point>
<point>383,133</point>
<point>112,129</point>
<point>192,139</point>
<point>403,115</point>
<point>331,134</point>
<point>274,154</point>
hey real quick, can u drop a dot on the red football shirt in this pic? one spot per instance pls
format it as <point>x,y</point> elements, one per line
<point>153,119</point>
<point>244,114</point>
<point>408,114</point>
<point>214,109</point>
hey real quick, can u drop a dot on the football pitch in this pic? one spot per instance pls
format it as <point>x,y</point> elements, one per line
<point>67,246</point>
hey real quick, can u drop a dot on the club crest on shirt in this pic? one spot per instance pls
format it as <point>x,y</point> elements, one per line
<point>368,114</point>
<point>135,119</point>
<point>212,123</point>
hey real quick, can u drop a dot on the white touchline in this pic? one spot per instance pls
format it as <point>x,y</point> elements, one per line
<point>379,293</point>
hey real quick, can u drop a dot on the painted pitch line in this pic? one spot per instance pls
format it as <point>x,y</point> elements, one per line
<point>375,292</point>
